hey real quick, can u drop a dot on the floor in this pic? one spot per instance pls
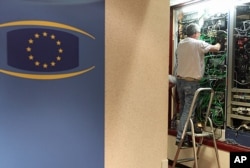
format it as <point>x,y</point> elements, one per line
<point>177,166</point>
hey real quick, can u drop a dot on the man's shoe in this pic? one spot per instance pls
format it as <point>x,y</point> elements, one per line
<point>186,144</point>
<point>198,130</point>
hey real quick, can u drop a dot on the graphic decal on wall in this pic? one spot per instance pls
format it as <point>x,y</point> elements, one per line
<point>43,50</point>
<point>52,83</point>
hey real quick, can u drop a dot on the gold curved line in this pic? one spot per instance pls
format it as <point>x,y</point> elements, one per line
<point>45,77</point>
<point>45,23</point>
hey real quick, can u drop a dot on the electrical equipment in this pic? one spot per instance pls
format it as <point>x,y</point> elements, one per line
<point>227,72</point>
<point>213,29</point>
<point>238,112</point>
<point>242,55</point>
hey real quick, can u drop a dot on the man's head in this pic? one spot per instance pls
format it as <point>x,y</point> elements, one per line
<point>193,30</point>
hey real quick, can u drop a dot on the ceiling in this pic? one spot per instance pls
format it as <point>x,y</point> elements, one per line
<point>176,2</point>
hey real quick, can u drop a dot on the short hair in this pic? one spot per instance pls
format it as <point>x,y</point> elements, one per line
<point>192,28</point>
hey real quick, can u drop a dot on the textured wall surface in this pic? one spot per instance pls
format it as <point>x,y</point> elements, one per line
<point>136,83</point>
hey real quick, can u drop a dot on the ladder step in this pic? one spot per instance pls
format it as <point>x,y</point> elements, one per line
<point>185,160</point>
<point>203,134</point>
<point>188,147</point>
<point>200,136</point>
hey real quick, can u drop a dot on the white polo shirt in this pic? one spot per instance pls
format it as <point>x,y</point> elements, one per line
<point>190,58</point>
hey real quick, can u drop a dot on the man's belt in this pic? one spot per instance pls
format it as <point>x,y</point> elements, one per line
<point>188,78</point>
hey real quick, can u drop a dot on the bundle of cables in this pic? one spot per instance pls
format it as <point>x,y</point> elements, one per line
<point>216,110</point>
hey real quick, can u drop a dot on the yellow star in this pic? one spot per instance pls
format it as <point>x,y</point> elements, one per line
<point>37,35</point>
<point>60,50</point>
<point>45,66</point>
<point>58,42</point>
<point>31,57</point>
<point>37,63</point>
<point>31,41</point>
<point>58,58</point>
<point>28,49</point>
<point>53,63</point>
<point>45,34</point>
<point>53,36</point>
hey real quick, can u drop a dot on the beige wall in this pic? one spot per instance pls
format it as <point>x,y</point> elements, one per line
<point>136,84</point>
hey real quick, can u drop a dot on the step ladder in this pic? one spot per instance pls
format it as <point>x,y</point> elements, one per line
<point>208,131</point>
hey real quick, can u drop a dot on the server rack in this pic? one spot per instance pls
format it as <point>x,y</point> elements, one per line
<point>238,111</point>
<point>227,72</point>
<point>214,25</point>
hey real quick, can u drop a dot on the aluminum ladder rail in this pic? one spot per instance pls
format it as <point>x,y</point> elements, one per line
<point>208,131</point>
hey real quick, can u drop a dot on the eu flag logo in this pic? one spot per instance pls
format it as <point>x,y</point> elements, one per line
<point>42,50</point>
